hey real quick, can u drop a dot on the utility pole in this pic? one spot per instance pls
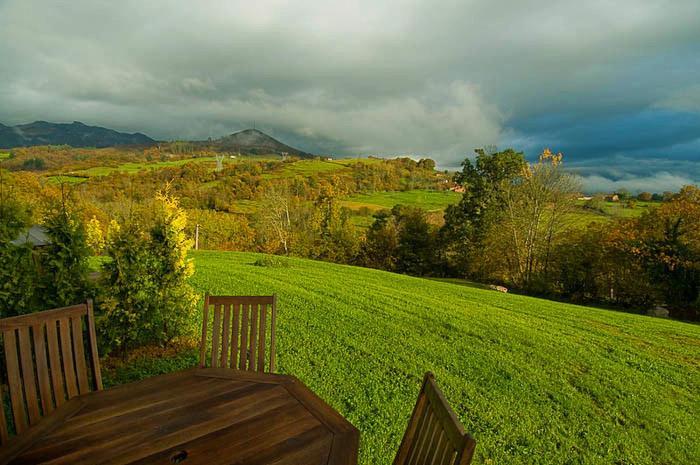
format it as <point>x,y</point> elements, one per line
<point>196,237</point>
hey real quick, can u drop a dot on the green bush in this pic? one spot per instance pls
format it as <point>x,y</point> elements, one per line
<point>146,297</point>
<point>272,261</point>
<point>18,271</point>
<point>64,262</point>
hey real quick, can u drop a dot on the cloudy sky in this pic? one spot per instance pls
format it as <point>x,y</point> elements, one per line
<point>615,85</point>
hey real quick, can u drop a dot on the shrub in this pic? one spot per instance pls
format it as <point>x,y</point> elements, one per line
<point>147,299</point>
<point>18,271</point>
<point>64,262</point>
<point>644,196</point>
<point>272,261</point>
<point>34,164</point>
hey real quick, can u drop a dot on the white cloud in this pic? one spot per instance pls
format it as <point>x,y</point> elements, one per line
<point>658,182</point>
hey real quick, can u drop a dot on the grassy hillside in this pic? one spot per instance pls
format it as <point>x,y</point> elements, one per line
<point>534,381</point>
<point>426,199</point>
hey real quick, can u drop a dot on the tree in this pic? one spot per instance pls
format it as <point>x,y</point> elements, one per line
<point>64,261</point>
<point>416,249</point>
<point>146,296</point>
<point>533,217</point>
<point>34,164</point>
<point>18,273</point>
<point>380,247</point>
<point>668,241</point>
<point>466,223</point>
<point>275,216</point>
<point>176,300</point>
<point>334,236</point>
<point>644,196</point>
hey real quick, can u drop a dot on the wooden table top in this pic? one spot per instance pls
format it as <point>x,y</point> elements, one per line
<point>198,416</point>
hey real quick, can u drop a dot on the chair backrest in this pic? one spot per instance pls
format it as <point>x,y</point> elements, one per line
<point>434,434</point>
<point>239,332</point>
<point>47,363</point>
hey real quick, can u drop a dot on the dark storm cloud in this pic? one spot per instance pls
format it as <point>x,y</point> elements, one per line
<point>595,79</point>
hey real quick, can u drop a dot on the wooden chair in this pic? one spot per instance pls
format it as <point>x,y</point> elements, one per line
<point>46,362</point>
<point>434,435</point>
<point>239,337</point>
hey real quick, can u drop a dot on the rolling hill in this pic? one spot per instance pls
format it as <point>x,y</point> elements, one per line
<point>75,134</point>
<point>534,381</point>
<point>255,142</point>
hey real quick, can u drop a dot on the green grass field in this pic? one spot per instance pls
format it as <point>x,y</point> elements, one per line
<point>428,200</point>
<point>535,381</point>
<point>306,168</point>
<point>135,167</point>
<point>4,155</point>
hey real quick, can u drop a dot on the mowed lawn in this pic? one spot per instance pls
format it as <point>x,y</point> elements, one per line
<point>534,381</point>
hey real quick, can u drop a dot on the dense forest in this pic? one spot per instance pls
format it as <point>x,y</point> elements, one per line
<point>516,223</point>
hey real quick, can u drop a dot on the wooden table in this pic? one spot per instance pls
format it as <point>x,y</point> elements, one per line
<point>199,416</point>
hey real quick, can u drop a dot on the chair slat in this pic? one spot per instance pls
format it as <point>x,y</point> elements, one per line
<point>40,382</point>
<point>273,331</point>
<point>434,442</point>
<point>94,355</point>
<point>234,334</point>
<point>4,435</point>
<point>252,350</point>
<point>79,351</point>
<point>14,380</point>
<point>205,323</point>
<point>419,436</point>
<point>59,391</point>
<point>42,367</point>
<point>241,332</point>
<point>434,435</point>
<point>261,338</point>
<point>28,378</point>
<point>67,356</point>
<point>225,335</point>
<point>243,363</point>
<point>216,330</point>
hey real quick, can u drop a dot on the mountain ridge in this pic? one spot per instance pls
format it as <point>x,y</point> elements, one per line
<point>75,134</point>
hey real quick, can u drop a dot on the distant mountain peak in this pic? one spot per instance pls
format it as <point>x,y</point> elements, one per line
<point>254,141</point>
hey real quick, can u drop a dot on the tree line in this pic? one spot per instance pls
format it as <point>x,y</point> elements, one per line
<point>515,224</point>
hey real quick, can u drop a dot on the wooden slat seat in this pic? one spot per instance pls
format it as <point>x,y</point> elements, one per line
<point>434,435</point>
<point>240,336</point>
<point>47,362</point>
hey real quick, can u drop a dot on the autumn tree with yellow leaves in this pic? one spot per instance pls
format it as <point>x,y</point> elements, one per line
<point>147,298</point>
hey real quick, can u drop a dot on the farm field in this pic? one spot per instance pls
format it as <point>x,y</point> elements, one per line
<point>306,168</point>
<point>534,381</point>
<point>4,155</point>
<point>426,199</point>
<point>78,176</point>
<point>610,211</point>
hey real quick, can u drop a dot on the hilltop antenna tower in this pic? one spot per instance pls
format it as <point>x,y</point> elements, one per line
<point>220,162</point>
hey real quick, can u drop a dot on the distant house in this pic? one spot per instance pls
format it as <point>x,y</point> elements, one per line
<point>36,236</point>
<point>459,189</point>
<point>612,198</point>
<point>585,197</point>
<point>329,158</point>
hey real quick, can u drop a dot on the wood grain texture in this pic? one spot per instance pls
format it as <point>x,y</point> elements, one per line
<point>46,360</point>
<point>239,337</point>
<point>212,415</point>
<point>434,435</point>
